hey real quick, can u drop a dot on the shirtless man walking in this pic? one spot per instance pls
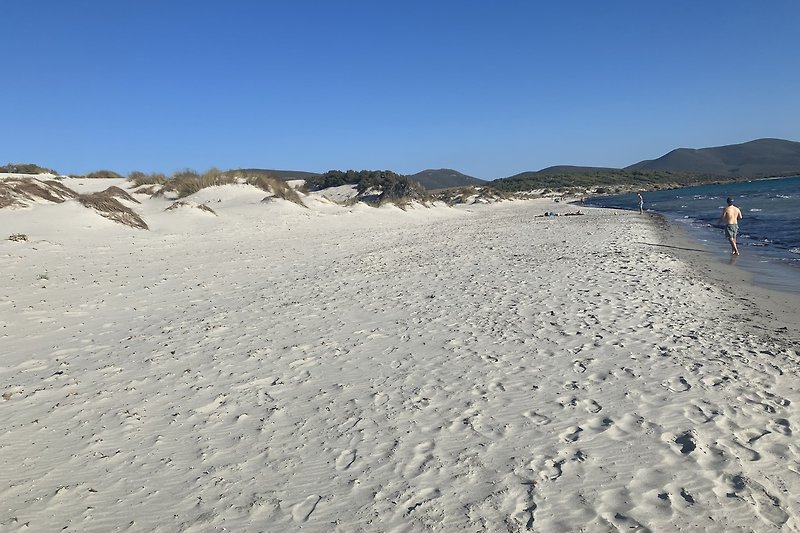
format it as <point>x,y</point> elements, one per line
<point>731,216</point>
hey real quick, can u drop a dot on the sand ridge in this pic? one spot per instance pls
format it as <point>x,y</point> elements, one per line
<point>472,369</point>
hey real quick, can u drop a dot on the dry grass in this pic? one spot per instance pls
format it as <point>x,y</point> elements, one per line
<point>278,187</point>
<point>107,205</point>
<point>188,182</point>
<point>153,190</point>
<point>471,194</point>
<point>17,192</point>
<point>201,207</point>
<point>116,192</point>
<point>140,178</point>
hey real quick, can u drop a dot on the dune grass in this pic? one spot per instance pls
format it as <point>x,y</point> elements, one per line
<point>140,178</point>
<point>15,192</point>
<point>187,182</point>
<point>107,205</point>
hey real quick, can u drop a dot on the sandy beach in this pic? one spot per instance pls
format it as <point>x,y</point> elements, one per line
<point>273,367</point>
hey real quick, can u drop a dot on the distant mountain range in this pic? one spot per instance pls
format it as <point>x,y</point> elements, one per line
<point>762,157</point>
<point>754,159</point>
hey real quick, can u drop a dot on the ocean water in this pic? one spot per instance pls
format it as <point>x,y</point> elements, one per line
<point>769,232</point>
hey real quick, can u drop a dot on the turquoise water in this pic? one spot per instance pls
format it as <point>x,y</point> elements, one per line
<point>769,232</point>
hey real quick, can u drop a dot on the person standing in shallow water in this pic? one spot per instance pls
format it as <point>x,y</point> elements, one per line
<point>641,203</point>
<point>731,215</point>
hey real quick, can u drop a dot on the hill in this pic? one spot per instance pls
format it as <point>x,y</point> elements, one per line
<point>570,169</point>
<point>759,158</point>
<point>443,178</point>
<point>681,167</point>
<point>598,180</point>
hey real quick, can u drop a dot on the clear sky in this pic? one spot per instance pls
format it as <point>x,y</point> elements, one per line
<point>490,88</point>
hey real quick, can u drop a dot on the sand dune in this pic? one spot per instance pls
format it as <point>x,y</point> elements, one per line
<point>277,368</point>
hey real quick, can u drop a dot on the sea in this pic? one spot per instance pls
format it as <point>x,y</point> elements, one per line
<point>769,232</point>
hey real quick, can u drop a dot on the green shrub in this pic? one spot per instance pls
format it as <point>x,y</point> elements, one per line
<point>98,174</point>
<point>26,168</point>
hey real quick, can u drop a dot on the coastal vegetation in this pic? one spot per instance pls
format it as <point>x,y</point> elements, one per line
<point>107,204</point>
<point>681,167</point>
<point>601,180</point>
<point>187,182</point>
<point>26,168</point>
<point>18,192</point>
<point>444,178</point>
<point>372,186</point>
<point>100,174</point>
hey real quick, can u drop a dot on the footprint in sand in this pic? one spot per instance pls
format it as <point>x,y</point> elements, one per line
<point>591,406</point>
<point>768,507</point>
<point>780,425</point>
<point>571,434</point>
<point>600,424</point>
<point>678,384</point>
<point>496,386</point>
<point>620,522</point>
<point>380,399</point>
<point>686,442</point>
<point>738,450</point>
<point>303,510</point>
<point>696,414</point>
<point>552,469</point>
<point>345,459</point>
<point>624,372</point>
<point>425,495</point>
<point>777,400</point>
<point>548,468</point>
<point>536,418</point>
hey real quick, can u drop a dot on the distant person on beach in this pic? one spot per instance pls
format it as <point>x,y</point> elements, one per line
<point>641,203</point>
<point>731,215</point>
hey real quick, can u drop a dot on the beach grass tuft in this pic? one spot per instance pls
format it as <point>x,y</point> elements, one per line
<point>138,179</point>
<point>15,192</point>
<point>181,203</point>
<point>107,205</point>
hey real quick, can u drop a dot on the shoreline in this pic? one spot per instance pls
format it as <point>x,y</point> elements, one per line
<point>762,270</point>
<point>766,310</point>
<point>769,253</point>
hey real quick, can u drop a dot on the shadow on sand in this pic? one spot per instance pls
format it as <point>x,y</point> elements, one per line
<point>675,247</point>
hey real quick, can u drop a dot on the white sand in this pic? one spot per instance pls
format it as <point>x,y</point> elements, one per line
<point>276,368</point>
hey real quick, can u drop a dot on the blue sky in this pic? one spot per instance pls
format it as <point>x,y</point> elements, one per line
<point>488,88</point>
